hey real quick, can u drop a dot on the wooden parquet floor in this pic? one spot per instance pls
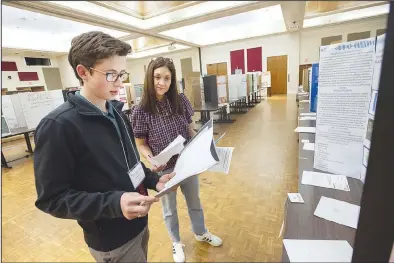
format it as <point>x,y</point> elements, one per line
<point>244,208</point>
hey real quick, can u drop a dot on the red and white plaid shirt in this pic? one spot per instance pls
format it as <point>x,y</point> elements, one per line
<point>161,129</point>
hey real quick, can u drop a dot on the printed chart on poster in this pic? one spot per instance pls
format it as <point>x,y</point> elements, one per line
<point>345,79</point>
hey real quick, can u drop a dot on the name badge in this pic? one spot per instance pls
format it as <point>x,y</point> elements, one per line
<point>137,175</point>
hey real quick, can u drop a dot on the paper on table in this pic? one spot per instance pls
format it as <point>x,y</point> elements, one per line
<point>309,146</point>
<point>225,154</point>
<point>305,129</point>
<point>325,180</point>
<point>338,211</point>
<point>308,114</point>
<point>175,147</point>
<point>198,156</point>
<point>307,118</point>
<point>304,141</point>
<point>295,198</point>
<point>318,250</point>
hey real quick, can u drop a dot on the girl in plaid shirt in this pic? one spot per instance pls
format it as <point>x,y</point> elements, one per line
<point>162,115</point>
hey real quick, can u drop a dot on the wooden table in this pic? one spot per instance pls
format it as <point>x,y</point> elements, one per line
<point>300,223</point>
<point>25,131</point>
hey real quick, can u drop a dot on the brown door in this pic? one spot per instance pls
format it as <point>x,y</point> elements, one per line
<point>212,69</point>
<point>278,67</point>
<point>222,69</point>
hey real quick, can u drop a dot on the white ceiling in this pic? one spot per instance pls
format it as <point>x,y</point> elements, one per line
<point>30,30</point>
<point>204,8</point>
<point>257,23</point>
<point>51,25</point>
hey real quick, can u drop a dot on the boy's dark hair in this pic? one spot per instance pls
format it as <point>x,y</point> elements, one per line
<point>90,48</point>
<point>148,100</point>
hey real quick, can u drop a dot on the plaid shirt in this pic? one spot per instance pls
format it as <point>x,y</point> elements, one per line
<point>159,130</point>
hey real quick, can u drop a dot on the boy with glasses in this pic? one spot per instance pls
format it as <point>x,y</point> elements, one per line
<point>86,164</point>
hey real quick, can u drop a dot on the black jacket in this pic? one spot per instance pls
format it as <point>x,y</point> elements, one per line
<point>81,173</point>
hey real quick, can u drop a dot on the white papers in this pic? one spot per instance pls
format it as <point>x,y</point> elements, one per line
<point>307,118</point>
<point>318,250</point>
<point>175,147</point>
<point>338,211</point>
<point>305,129</point>
<point>197,157</point>
<point>304,141</point>
<point>224,154</point>
<point>304,101</point>
<point>309,146</point>
<point>308,114</point>
<point>295,198</point>
<point>325,180</point>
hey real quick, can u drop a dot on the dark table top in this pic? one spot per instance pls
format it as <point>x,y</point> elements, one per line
<point>207,107</point>
<point>18,131</point>
<point>300,223</point>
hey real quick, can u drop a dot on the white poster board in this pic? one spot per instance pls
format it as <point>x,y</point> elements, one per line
<point>222,89</point>
<point>266,79</point>
<point>345,79</point>
<point>379,50</point>
<point>35,105</point>
<point>8,112</point>
<point>236,84</point>
<point>16,102</point>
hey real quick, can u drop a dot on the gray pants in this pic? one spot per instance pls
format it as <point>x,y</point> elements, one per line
<point>191,190</point>
<point>136,250</point>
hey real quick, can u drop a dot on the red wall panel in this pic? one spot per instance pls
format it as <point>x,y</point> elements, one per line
<point>255,59</point>
<point>8,66</point>
<point>27,76</point>
<point>237,60</point>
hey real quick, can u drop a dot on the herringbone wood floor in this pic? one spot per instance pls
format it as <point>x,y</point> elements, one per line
<point>245,208</point>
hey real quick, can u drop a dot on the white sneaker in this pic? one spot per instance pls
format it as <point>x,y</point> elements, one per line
<point>210,239</point>
<point>177,252</point>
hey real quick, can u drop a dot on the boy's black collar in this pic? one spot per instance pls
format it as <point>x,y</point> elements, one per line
<point>86,108</point>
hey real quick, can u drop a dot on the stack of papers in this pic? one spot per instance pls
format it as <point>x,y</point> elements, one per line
<point>198,156</point>
<point>305,129</point>
<point>334,181</point>
<point>308,114</point>
<point>309,146</point>
<point>224,154</point>
<point>172,149</point>
<point>304,141</point>
<point>304,101</point>
<point>318,250</point>
<point>337,211</point>
<point>307,118</point>
<point>295,198</point>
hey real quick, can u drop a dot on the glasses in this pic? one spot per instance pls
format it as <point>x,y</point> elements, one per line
<point>113,77</point>
<point>162,58</point>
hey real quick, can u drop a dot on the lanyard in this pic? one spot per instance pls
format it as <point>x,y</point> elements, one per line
<point>128,135</point>
<point>162,122</point>
<point>124,124</point>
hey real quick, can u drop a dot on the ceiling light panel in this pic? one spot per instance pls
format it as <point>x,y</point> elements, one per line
<point>24,29</point>
<point>96,10</point>
<point>254,23</point>
<point>171,17</point>
<point>347,16</point>
<point>155,51</point>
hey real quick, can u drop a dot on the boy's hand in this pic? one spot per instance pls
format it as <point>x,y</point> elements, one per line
<point>134,205</point>
<point>163,180</point>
